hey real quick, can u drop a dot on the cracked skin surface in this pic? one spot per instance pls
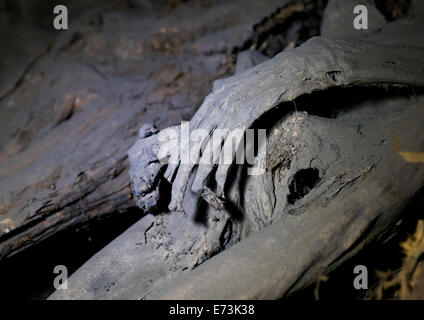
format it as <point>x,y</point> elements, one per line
<point>72,104</point>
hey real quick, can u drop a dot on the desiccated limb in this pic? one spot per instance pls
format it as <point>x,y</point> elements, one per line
<point>332,183</point>
<point>359,195</point>
<point>68,123</point>
<point>238,102</point>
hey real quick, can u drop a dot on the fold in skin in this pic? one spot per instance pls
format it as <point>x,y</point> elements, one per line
<point>364,186</point>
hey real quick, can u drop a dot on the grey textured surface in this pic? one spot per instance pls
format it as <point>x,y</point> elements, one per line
<point>338,107</point>
<point>72,102</point>
<point>363,188</point>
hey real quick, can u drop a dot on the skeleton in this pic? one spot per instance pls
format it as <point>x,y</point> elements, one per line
<point>328,188</point>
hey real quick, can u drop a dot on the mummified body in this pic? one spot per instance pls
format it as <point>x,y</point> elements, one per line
<point>333,110</point>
